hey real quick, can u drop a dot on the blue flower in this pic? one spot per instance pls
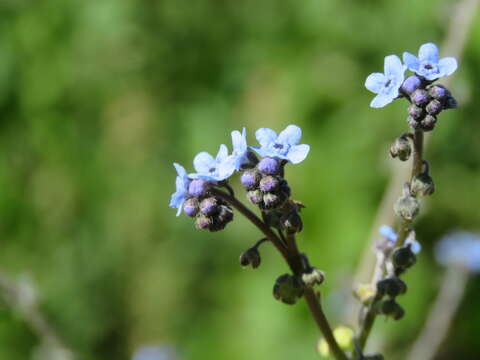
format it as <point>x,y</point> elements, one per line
<point>213,169</point>
<point>388,233</point>
<point>240,148</point>
<point>283,146</point>
<point>459,249</point>
<point>386,85</point>
<point>428,64</point>
<point>182,181</point>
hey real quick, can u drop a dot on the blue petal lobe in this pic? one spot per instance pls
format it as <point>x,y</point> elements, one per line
<point>265,136</point>
<point>290,136</point>
<point>447,66</point>
<point>203,162</point>
<point>375,82</point>
<point>298,153</point>
<point>428,52</point>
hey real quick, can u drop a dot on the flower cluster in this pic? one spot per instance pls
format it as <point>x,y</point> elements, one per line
<point>262,178</point>
<point>427,100</point>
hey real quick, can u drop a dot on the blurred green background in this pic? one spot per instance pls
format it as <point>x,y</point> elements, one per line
<point>99,97</point>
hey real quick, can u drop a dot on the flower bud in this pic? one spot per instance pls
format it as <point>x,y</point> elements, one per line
<point>407,207</point>
<point>403,258</point>
<point>450,103</point>
<point>251,257</point>
<point>203,222</point>
<point>401,148</point>
<point>190,207</point>
<point>255,197</point>
<point>292,222</point>
<point>416,112</point>
<point>420,97</point>
<point>198,187</point>
<point>438,92</point>
<point>269,184</point>
<point>314,277</point>
<point>411,84</point>
<point>434,107</point>
<point>209,206</point>
<point>273,201</point>
<point>250,179</point>
<point>287,289</point>
<point>285,189</point>
<point>225,214</point>
<point>391,308</point>
<point>422,184</point>
<point>428,124</point>
<point>269,166</point>
<point>392,287</point>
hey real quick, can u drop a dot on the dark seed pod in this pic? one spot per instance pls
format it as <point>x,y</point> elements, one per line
<point>403,257</point>
<point>401,148</point>
<point>392,287</point>
<point>288,289</point>
<point>423,185</point>
<point>251,257</point>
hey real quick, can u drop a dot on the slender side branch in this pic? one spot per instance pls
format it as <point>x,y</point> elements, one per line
<point>294,260</point>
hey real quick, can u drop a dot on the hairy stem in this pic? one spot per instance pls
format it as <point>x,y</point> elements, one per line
<point>294,260</point>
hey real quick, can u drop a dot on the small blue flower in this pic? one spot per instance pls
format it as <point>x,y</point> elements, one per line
<point>428,64</point>
<point>182,182</point>
<point>386,85</point>
<point>283,146</point>
<point>240,148</point>
<point>213,169</point>
<point>459,249</point>
<point>388,233</point>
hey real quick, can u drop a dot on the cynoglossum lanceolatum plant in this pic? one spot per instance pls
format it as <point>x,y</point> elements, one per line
<point>206,196</point>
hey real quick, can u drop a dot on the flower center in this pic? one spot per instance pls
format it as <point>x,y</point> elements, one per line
<point>278,146</point>
<point>387,84</point>
<point>212,170</point>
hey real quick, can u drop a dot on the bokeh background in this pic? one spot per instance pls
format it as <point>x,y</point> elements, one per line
<point>99,97</point>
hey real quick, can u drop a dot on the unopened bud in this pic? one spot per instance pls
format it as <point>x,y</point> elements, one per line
<point>255,197</point>
<point>288,289</point>
<point>269,184</point>
<point>407,207</point>
<point>314,277</point>
<point>251,257</point>
<point>403,257</point>
<point>392,287</point>
<point>438,92</point>
<point>269,166</point>
<point>209,206</point>
<point>416,112</point>
<point>428,124</point>
<point>250,179</point>
<point>420,97</point>
<point>414,124</point>
<point>292,222</point>
<point>190,207</point>
<point>198,187</point>
<point>434,107</point>
<point>203,222</point>
<point>422,184</point>
<point>411,84</point>
<point>401,148</point>
<point>272,201</point>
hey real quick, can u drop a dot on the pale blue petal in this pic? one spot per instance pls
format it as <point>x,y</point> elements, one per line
<point>414,246</point>
<point>290,136</point>
<point>381,100</point>
<point>447,66</point>
<point>393,67</point>
<point>180,170</point>
<point>226,168</point>
<point>375,82</point>
<point>428,52</point>
<point>265,136</point>
<point>388,232</point>
<point>411,61</point>
<point>298,153</point>
<point>239,141</point>
<point>203,162</point>
<point>222,153</point>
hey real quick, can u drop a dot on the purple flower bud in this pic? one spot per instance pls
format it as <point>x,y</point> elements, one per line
<point>269,166</point>
<point>190,208</point>
<point>269,184</point>
<point>250,179</point>
<point>416,112</point>
<point>255,196</point>
<point>428,124</point>
<point>434,107</point>
<point>411,84</point>
<point>420,97</point>
<point>209,206</point>
<point>438,92</point>
<point>198,187</point>
<point>203,222</point>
